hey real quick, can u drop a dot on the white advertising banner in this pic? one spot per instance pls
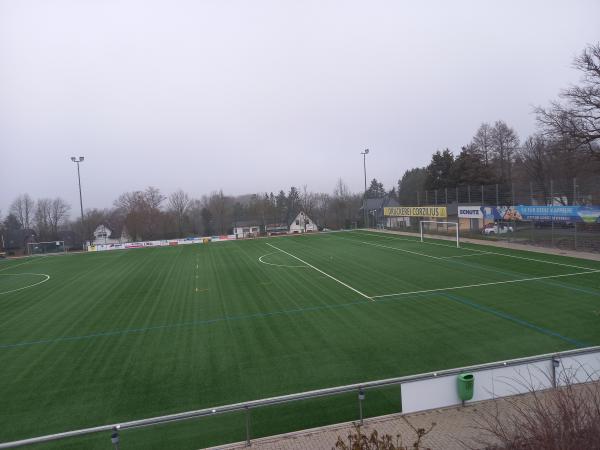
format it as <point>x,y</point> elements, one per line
<point>470,212</point>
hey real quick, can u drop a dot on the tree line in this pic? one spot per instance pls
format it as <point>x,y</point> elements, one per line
<point>149,214</point>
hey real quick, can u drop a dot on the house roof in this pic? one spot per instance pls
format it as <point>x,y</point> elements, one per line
<point>301,213</point>
<point>379,203</point>
<point>247,223</point>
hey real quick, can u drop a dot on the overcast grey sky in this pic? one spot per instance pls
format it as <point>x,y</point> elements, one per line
<point>253,96</point>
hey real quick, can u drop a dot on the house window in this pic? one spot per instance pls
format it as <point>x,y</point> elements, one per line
<point>297,222</point>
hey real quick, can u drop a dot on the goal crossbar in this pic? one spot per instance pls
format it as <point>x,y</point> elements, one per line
<point>441,223</point>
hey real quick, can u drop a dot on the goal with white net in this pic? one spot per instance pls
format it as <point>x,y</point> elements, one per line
<point>44,248</point>
<point>435,228</point>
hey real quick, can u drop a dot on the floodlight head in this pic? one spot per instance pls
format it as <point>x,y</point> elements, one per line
<point>366,151</point>
<point>81,158</point>
<point>73,158</point>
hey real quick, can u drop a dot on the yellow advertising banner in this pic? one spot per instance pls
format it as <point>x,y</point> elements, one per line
<point>415,211</point>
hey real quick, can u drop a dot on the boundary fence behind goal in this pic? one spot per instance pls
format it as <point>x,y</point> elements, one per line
<point>44,248</point>
<point>416,392</point>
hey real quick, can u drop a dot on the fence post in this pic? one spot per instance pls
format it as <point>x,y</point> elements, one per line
<point>469,193</point>
<point>426,200</point>
<point>531,193</point>
<point>482,197</point>
<point>512,194</point>
<point>418,202</point>
<point>436,197</point>
<point>361,397</point>
<point>497,197</point>
<point>574,202</point>
<point>446,190</point>
<point>552,213</point>
<point>247,427</point>
<point>457,201</point>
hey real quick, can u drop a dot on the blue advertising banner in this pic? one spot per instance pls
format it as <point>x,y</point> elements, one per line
<point>586,214</point>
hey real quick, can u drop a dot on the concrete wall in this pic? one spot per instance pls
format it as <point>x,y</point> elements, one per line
<point>441,391</point>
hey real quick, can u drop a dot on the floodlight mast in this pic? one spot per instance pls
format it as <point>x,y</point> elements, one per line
<point>365,153</point>
<point>77,161</point>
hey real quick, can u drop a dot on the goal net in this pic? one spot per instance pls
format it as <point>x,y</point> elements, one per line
<point>44,248</point>
<point>435,228</point>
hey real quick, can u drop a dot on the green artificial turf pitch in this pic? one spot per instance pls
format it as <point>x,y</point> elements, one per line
<point>123,335</point>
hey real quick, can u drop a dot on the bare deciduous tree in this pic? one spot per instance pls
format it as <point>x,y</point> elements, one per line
<point>179,203</point>
<point>504,142</point>
<point>482,142</point>
<point>42,218</point>
<point>578,117</point>
<point>23,209</point>
<point>59,212</point>
<point>307,200</point>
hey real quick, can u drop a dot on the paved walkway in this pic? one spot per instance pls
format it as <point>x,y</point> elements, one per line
<point>453,426</point>
<point>456,427</point>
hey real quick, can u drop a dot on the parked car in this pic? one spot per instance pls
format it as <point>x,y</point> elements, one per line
<point>492,229</point>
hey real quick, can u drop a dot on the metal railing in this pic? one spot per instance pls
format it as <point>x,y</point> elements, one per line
<point>247,407</point>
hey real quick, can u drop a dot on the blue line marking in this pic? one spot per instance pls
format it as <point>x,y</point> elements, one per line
<point>514,319</point>
<point>182,324</point>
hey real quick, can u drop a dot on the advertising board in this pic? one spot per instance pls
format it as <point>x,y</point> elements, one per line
<point>415,211</point>
<point>470,212</point>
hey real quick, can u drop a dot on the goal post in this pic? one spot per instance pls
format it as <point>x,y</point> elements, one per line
<point>437,224</point>
<point>45,248</point>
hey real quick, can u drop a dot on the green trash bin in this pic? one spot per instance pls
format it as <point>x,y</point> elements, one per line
<point>466,383</point>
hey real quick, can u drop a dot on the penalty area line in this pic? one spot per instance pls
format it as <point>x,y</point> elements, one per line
<point>320,271</point>
<point>453,288</point>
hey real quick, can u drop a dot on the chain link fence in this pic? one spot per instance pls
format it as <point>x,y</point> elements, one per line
<point>547,232</point>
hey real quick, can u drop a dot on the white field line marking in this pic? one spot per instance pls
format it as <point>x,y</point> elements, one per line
<point>453,288</point>
<point>25,287</point>
<point>414,241</point>
<point>260,259</point>
<point>464,256</point>
<point>320,271</point>
<point>396,248</point>
<point>17,265</point>
<point>500,254</point>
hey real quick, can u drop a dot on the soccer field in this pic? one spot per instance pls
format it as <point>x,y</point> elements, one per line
<point>97,338</point>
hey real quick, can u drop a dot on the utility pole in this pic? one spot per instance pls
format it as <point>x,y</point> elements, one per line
<point>77,161</point>
<point>365,153</point>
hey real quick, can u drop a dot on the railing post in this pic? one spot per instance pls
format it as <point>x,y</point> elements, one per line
<point>114,437</point>
<point>555,365</point>
<point>551,205</point>
<point>248,443</point>
<point>361,397</point>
